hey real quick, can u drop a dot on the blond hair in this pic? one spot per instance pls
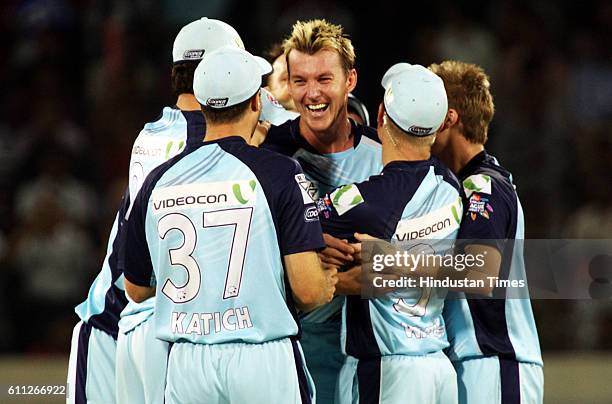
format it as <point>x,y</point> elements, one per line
<point>468,90</point>
<point>311,36</point>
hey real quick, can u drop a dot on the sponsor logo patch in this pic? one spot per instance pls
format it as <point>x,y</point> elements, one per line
<point>419,131</point>
<point>479,206</point>
<point>436,224</point>
<point>217,102</point>
<point>307,188</point>
<point>311,214</point>
<point>477,183</point>
<point>193,54</point>
<point>209,195</point>
<point>324,206</point>
<point>346,198</point>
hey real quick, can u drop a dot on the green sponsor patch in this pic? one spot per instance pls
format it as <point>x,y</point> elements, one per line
<point>477,183</point>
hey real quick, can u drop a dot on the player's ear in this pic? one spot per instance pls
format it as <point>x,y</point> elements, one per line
<point>381,115</point>
<point>351,80</point>
<point>452,117</point>
<point>256,102</point>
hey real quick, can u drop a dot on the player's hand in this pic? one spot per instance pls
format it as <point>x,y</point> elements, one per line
<point>338,252</point>
<point>365,237</point>
<point>261,131</point>
<point>381,244</point>
<point>357,253</point>
<point>349,282</point>
<point>331,279</point>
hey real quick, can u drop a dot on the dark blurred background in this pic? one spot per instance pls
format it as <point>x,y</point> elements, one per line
<point>80,78</point>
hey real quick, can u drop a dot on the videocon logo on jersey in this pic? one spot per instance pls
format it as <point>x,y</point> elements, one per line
<point>174,148</point>
<point>477,183</point>
<point>243,196</point>
<point>205,195</point>
<point>156,148</point>
<point>437,224</point>
<point>346,198</point>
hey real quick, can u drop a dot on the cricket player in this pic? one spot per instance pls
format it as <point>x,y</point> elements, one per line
<point>225,238</point>
<point>333,150</point>
<point>141,358</point>
<point>394,344</point>
<point>141,374</point>
<point>494,343</point>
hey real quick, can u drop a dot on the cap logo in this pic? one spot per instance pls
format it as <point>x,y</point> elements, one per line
<point>217,102</point>
<point>193,54</point>
<point>419,131</point>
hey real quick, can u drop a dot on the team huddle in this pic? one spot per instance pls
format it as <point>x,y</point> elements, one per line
<point>233,271</point>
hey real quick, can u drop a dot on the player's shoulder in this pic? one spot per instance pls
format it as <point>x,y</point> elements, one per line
<point>158,130</point>
<point>166,119</point>
<point>368,136</point>
<point>260,160</point>
<point>445,173</point>
<point>283,138</point>
<point>489,177</point>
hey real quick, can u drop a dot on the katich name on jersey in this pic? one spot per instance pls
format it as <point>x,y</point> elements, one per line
<point>205,323</point>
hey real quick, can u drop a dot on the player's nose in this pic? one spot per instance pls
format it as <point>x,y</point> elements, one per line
<point>313,90</point>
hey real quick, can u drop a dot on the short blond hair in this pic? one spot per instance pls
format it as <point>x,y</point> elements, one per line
<point>311,36</point>
<point>468,91</point>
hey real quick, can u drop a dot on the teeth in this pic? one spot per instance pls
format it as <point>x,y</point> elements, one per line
<point>316,107</point>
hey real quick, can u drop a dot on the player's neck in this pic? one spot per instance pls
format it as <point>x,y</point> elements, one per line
<point>187,102</point>
<point>220,131</point>
<point>404,153</point>
<point>460,152</point>
<point>337,138</point>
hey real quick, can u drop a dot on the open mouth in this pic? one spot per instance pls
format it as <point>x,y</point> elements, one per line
<point>317,107</point>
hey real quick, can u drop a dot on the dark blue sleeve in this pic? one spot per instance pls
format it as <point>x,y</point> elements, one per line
<point>488,217</point>
<point>360,208</point>
<point>137,265</point>
<point>297,218</point>
<point>280,140</point>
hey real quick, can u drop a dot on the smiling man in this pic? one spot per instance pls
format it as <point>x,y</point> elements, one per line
<point>333,150</point>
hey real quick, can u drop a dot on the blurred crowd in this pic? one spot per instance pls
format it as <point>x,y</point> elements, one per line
<point>80,78</point>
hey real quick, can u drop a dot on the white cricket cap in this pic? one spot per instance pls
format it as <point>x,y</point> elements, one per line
<point>415,98</point>
<point>201,36</point>
<point>228,76</point>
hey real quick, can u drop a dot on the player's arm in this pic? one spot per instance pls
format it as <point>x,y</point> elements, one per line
<point>135,261</point>
<point>345,210</point>
<point>260,133</point>
<point>138,293</point>
<point>336,252</point>
<point>312,285</point>
<point>474,271</point>
<point>300,238</point>
<point>483,229</point>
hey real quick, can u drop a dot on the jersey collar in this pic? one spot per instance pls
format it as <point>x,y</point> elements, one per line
<point>473,164</point>
<point>294,129</point>
<point>408,165</point>
<point>227,139</point>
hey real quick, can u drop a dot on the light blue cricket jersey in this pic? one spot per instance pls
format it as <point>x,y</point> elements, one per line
<point>501,326</point>
<point>407,201</point>
<point>209,229</point>
<point>156,143</point>
<point>326,172</point>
